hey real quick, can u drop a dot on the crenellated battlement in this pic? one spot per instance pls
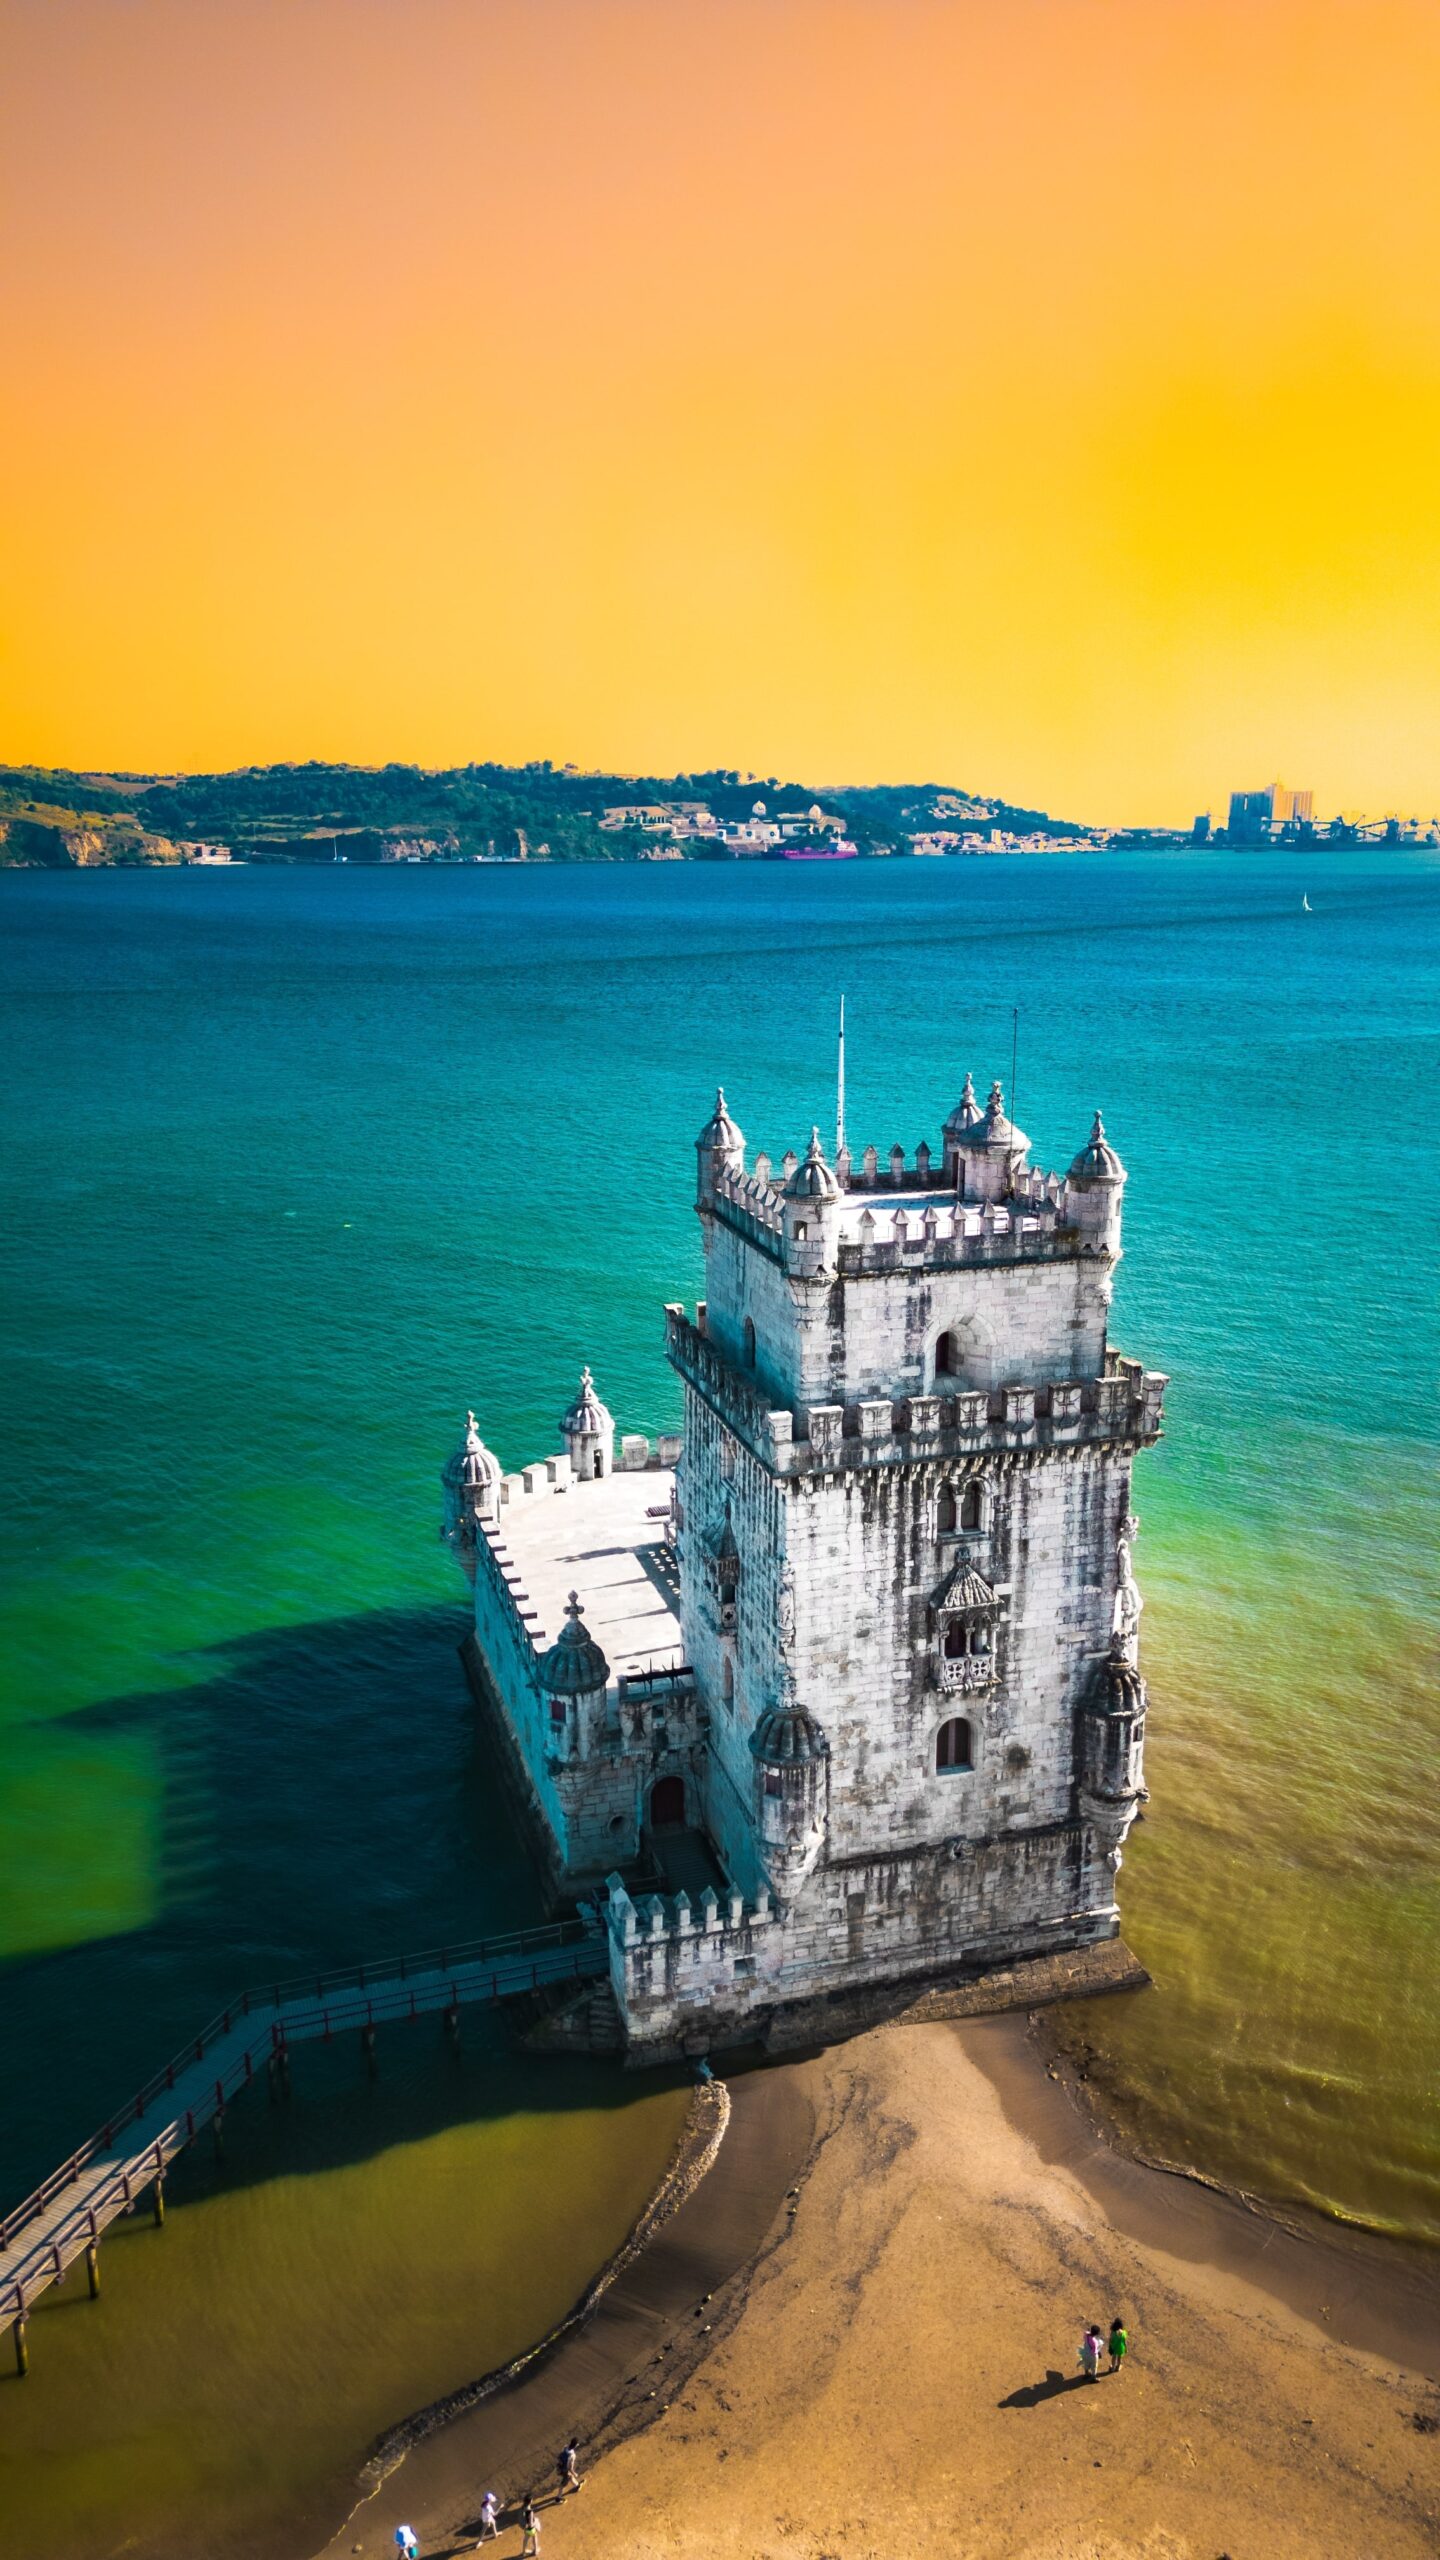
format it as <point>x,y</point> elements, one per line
<point>718,1956</point>
<point>1124,1405</point>
<point>902,1221</point>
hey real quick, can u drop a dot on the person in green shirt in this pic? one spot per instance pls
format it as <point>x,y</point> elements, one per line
<point>1119,2343</point>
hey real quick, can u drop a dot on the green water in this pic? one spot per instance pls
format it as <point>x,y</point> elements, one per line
<point>300,1165</point>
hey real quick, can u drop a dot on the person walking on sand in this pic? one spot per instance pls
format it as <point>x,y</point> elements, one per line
<point>1119,2343</point>
<point>1090,2353</point>
<point>405,2542</point>
<point>529,2531</point>
<point>489,2519</point>
<point>568,2467</point>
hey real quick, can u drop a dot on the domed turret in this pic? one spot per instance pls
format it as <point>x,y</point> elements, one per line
<point>812,1178</point>
<point>719,1147</point>
<point>588,1430</point>
<point>983,1149</point>
<point>1112,1755</point>
<point>967,1114</point>
<point>964,1128</point>
<point>1000,1130</point>
<point>1125,1693</point>
<point>788,1737</point>
<point>1093,1188</point>
<point>791,1758</point>
<point>574,1664</point>
<point>1097,1160</point>
<point>471,1478</point>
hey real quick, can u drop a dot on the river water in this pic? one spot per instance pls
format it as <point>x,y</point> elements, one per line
<point>303,1163</point>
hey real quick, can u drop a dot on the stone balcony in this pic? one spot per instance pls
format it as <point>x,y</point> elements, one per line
<point>967,1671</point>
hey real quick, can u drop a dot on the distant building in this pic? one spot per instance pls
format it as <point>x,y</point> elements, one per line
<point>1200,828</point>
<point>1256,815</point>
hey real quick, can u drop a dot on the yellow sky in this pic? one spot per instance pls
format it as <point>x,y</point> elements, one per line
<point>1036,395</point>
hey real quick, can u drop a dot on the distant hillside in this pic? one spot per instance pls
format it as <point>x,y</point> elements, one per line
<point>535,812</point>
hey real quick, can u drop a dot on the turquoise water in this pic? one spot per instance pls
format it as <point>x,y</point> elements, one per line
<point>303,1163</point>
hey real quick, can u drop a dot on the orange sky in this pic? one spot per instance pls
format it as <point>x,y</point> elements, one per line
<point>1037,395</point>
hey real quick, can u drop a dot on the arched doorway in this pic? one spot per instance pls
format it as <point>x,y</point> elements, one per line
<point>667,1804</point>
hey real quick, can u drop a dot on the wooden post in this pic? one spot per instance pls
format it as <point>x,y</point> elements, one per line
<point>452,2025</point>
<point>367,2041</point>
<point>92,2268</point>
<point>22,2351</point>
<point>217,2127</point>
<point>158,2193</point>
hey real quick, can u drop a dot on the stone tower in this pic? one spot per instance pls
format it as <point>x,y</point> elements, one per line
<point>905,1587</point>
<point>851,1708</point>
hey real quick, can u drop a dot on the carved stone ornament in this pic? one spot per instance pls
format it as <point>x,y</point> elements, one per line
<point>1128,1602</point>
<point>785,1609</point>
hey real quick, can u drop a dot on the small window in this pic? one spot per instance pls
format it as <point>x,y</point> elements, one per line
<point>727,1595</point>
<point>953,1746</point>
<point>947,1363</point>
<point>774,1783</point>
<point>957,1640</point>
<point>801,1231</point>
<point>749,1340</point>
<point>727,1681</point>
<point>947,1509</point>
<point>972,1506</point>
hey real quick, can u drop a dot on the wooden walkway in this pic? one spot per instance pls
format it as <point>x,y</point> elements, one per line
<point>63,2220</point>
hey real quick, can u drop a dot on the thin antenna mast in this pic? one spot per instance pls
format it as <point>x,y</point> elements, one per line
<point>840,1087</point>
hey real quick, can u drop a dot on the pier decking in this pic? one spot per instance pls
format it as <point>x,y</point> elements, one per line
<point>65,2217</point>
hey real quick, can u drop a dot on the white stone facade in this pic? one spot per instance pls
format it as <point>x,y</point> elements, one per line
<point>901,1695</point>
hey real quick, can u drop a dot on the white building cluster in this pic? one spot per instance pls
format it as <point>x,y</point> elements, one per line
<point>847,1707</point>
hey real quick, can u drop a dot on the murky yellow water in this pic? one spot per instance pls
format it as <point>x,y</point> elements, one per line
<point>218,2398</point>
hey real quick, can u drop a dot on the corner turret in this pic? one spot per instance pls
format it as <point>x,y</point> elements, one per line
<point>1094,1189</point>
<point>1112,1755</point>
<point>720,1147</point>
<point>961,1129</point>
<point>791,1758</point>
<point>471,1481</point>
<point>572,1670</point>
<point>990,1154</point>
<point>588,1430</point>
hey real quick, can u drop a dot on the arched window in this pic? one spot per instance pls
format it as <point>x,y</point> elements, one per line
<point>947,1362</point>
<point>957,1640</point>
<point>972,1506</point>
<point>727,1681</point>
<point>946,1517</point>
<point>954,1748</point>
<point>749,1339</point>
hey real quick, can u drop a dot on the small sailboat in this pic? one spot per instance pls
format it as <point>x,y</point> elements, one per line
<point>1305,904</point>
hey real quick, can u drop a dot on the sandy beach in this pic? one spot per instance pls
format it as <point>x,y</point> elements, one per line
<point>860,2336</point>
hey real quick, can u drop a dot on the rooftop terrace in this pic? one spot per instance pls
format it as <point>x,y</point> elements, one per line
<point>601,1540</point>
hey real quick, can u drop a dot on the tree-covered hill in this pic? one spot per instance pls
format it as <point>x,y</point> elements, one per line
<point>357,813</point>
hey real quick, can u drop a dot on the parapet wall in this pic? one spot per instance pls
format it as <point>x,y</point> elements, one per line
<point>1123,1406</point>
<point>688,1976</point>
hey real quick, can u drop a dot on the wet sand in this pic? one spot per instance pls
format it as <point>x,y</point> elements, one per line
<point>884,2359</point>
